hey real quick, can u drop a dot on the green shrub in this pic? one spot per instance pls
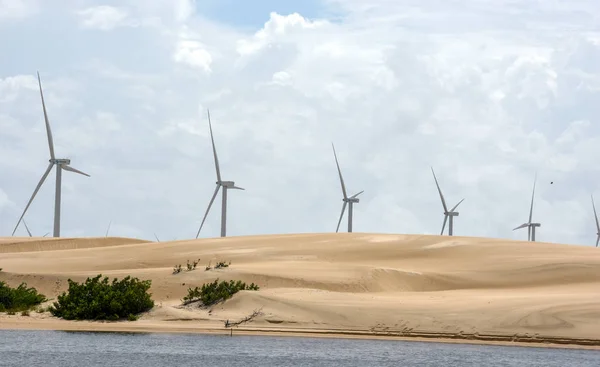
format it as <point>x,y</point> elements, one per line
<point>20,298</point>
<point>132,317</point>
<point>216,292</point>
<point>24,313</point>
<point>100,300</point>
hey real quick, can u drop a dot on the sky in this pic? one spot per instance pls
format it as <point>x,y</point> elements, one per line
<point>487,92</point>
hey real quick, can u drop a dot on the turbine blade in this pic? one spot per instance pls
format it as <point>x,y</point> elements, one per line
<point>48,130</point>
<point>597,240</point>
<point>521,226</point>
<point>46,234</point>
<point>341,216</point>
<point>208,209</point>
<point>27,228</point>
<point>440,191</point>
<point>532,196</point>
<point>456,206</point>
<point>340,173</point>
<point>69,168</point>
<point>236,187</point>
<point>37,188</point>
<point>595,215</point>
<point>108,229</point>
<point>212,139</point>
<point>355,195</point>
<point>157,240</point>
<point>444,225</point>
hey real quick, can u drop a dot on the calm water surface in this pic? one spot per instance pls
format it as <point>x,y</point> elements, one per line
<point>55,348</point>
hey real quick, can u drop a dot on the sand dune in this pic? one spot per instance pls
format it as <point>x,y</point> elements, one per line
<point>366,284</point>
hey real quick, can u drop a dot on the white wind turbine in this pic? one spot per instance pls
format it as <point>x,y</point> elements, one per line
<point>350,201</point>
<point>447,213</point>
<point>60,163</point>
<point>530,225</point>
<point>597,223</point>
<point>226,186</point>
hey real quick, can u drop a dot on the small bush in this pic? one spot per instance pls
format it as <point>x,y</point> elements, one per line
<point>19,299</point>
<point>216,292</point>
<point>177,269</point>
<point>192,266</point>
<point>222,264</point>
<point>24,313</point>
<point>11,313</point>
<point>132,317</point>
<point>40,310</point>
<point>100,300</point>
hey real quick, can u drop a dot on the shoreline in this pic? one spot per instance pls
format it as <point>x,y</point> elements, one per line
<point>415,336</point>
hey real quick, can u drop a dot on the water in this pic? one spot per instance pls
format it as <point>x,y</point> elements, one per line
<point>55,348</point>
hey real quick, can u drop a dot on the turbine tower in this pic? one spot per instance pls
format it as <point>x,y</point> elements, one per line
<point>60,163</point>
<point>227,185</point>
<point>530,225</point>
<point>350,201</point>
<point>447,214</point>
<point>597,223</point>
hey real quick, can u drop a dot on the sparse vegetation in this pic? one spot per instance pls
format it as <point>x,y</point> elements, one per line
<point>97,299</point>
<point>220,265</point>
<point>24,313</point>
<point>21,298</point>
<point>215,292</point>
<point>189,266</point>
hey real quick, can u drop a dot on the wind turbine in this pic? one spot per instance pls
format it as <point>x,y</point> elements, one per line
<point>597,223</point>
<point>447,213</point>
<point>350,201</point>
<point>227,185</point>
<point>60,163</point>
<point>29,232</point>
<point>530,226</point>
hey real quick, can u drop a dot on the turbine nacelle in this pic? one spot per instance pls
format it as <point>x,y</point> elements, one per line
<point>228,184</point>
<point>60,161</point>
<point>451,214</point>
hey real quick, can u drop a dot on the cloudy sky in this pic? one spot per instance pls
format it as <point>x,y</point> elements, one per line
<point>486,91</point>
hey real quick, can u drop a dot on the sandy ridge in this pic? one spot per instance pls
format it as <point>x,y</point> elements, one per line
<point>359,285</point>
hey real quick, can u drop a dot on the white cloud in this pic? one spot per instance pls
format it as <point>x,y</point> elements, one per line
<point>17,9</point>
<point>192,53</point>
<point>102,17</point>
<point>486,92</point>
<point>11,86</point>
